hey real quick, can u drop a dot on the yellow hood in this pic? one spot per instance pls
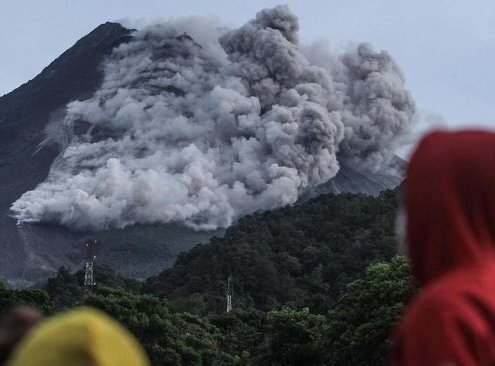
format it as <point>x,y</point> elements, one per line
<point>80,337</point>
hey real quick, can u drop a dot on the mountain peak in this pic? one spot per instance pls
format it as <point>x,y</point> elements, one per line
<point>48,91</point>
<point>24,115</point>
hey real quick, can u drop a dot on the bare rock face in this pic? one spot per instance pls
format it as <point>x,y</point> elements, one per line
<point>350,179</point>
<point>31,252</point>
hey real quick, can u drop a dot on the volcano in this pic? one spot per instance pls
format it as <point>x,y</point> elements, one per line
<point>48,121</point>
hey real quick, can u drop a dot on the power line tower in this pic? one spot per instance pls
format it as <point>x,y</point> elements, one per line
<point>229,294</point>
<point>88,270</point>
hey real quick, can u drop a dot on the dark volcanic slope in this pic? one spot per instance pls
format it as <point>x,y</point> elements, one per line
<point>25,112</point>
<point>74,75</point>
<point>351,180</point>
<point>31,251</point>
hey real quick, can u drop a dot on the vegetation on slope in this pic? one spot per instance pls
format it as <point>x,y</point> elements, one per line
<point>315,284</point>
<point>298,256</point>
<point>354,332</point>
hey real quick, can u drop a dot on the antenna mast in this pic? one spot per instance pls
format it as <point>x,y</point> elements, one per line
<point>229,294</point>
<point>88,271</point>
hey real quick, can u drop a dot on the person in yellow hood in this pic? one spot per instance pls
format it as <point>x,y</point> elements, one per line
<point>81,337</point>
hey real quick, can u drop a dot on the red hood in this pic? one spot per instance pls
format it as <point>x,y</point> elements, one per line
<point>450,203</point>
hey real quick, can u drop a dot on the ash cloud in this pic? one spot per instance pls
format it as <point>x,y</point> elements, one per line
<point>197,124</point>
<point>378,110</point>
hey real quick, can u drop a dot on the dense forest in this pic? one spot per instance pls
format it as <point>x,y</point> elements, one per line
<point>298,256</point>
<point>314,284</point>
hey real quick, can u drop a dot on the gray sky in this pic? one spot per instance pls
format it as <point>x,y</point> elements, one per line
<point>446,48</point>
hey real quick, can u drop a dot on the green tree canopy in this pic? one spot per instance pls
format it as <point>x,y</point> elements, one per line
<point>361,322</point>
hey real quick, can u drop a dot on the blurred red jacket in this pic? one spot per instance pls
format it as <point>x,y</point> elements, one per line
<point>450,227</point>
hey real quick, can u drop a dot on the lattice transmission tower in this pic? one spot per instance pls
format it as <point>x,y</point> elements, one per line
<point>230,290</point>
<point>89,282</point>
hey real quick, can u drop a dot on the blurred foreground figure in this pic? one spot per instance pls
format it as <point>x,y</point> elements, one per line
<point>83,337</point>
<point>14,326</point>
<point>450,231</point>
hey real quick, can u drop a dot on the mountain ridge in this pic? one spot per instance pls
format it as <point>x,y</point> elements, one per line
<point>34,250</point>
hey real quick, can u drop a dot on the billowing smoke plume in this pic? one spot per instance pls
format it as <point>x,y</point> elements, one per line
<point>378,110</point>
<point>203,129</point>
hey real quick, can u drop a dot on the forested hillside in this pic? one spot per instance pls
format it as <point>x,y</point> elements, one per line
<point>298,256</point>
<point>314,284</point>
<point>354,332</point>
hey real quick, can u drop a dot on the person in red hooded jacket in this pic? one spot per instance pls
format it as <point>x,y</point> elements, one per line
<point>450,231</point>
